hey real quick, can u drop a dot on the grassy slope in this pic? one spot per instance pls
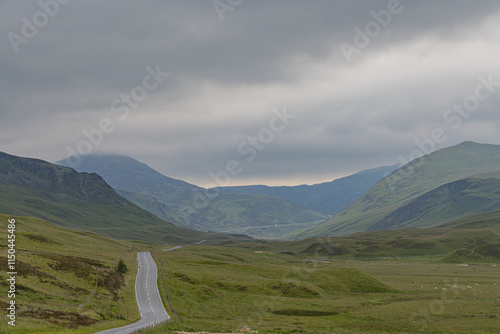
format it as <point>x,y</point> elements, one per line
<point>328,198</point>
<point>198,208</point>
<point>124,222</point>
<point>153,205</point>
<point>259,216</point>
<point>446,203</point>
<point>32,187</point>
<point>129,223</point>
<point>407,183</point>
<point>311,289</point>
<point>214,288</point>
<point>82,201</point>
<point>134,178</point>
<point>220,289</point>
<point>469,232</point>
<point>57,273</point>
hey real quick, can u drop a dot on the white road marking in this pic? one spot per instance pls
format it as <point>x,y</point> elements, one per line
<point>160,312</point>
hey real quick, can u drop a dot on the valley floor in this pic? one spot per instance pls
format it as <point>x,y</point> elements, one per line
<point>67,284</point>
<point>221,289</point>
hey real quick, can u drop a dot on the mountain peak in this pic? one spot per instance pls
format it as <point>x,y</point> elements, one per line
<point>55,181</point>
<point>408,183</point>
<point>470,144</point>
<point>124,173</point>
<point>84,201</point>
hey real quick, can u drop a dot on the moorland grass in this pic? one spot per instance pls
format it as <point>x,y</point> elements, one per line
<point>411,181</point>
<point>220,289</point>
<point>270,287</point>
<point>57,273</point>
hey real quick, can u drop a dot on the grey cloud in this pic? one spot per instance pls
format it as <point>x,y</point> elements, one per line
<point>226,76</point>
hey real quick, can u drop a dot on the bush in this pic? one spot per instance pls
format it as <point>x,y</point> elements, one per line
<point>122,267</point>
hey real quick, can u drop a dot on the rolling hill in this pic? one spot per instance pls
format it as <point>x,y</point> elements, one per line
<point>66,280</point>
<point>481,232</point>
<point>328,198</point>
<point>411,196</point>
<point>81,201</point>
<point>446,203</point>
<point>198,208</point>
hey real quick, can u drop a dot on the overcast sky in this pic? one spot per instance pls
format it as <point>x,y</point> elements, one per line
<point>292,91</point>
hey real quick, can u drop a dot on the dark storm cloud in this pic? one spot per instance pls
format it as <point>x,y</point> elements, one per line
<point>226,77</point>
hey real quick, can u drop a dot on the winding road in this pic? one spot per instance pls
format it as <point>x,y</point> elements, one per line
<point>147,296</point>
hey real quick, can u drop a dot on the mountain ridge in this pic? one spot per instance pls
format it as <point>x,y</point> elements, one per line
<point>82,201</point>
<point>409,182</point>
<point>328,198</point>
<point>199,208</point>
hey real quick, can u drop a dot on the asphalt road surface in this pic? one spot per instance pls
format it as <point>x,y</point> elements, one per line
<point>147,295</point>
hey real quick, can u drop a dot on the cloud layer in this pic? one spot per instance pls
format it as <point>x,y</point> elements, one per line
<point>61,77</point>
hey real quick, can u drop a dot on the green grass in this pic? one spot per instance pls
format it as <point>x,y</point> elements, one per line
<point>376,282</point>
<point>223,288</point>
<point>198,208</point>
<point>470,232</point>
<point>113,220</point>
<point>219,289</point>
<point>328,198</point>
<point>258,216</point>
<point>486,253</point>
<point>57,273</point>
<point>446,203</point>
<point>81,201</point>
<point>373,210</point>
<point>127,222</point>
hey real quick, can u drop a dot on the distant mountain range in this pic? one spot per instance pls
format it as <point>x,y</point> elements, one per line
<point>130,200</point>
<point>448,184</point>
<point>190,206</point>
<point>445,185</point>
<point>81,201</point>
<point>328,198</point>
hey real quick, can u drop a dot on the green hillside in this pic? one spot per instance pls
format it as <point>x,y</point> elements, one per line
<point>305,286</point>
<point>142,185</point>
<point>219,290</point>
<point>408,183</point>
<point>375,282</point>
<point>57,272</point>
<point>485,253</point>
<point>78,201</point>
<point>153,205</point>
<point>259,216</point>
<point>328,198</point>
<point>465,233</point>
<point>198,208</point>
<point>446,203</point>
<point>487,221</point>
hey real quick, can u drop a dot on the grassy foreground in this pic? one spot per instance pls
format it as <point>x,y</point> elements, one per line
<point>57,272</point>
<point>223,288</point>
<point>220,289</point>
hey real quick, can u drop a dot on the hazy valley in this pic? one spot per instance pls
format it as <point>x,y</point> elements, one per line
<point>348,272</point>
